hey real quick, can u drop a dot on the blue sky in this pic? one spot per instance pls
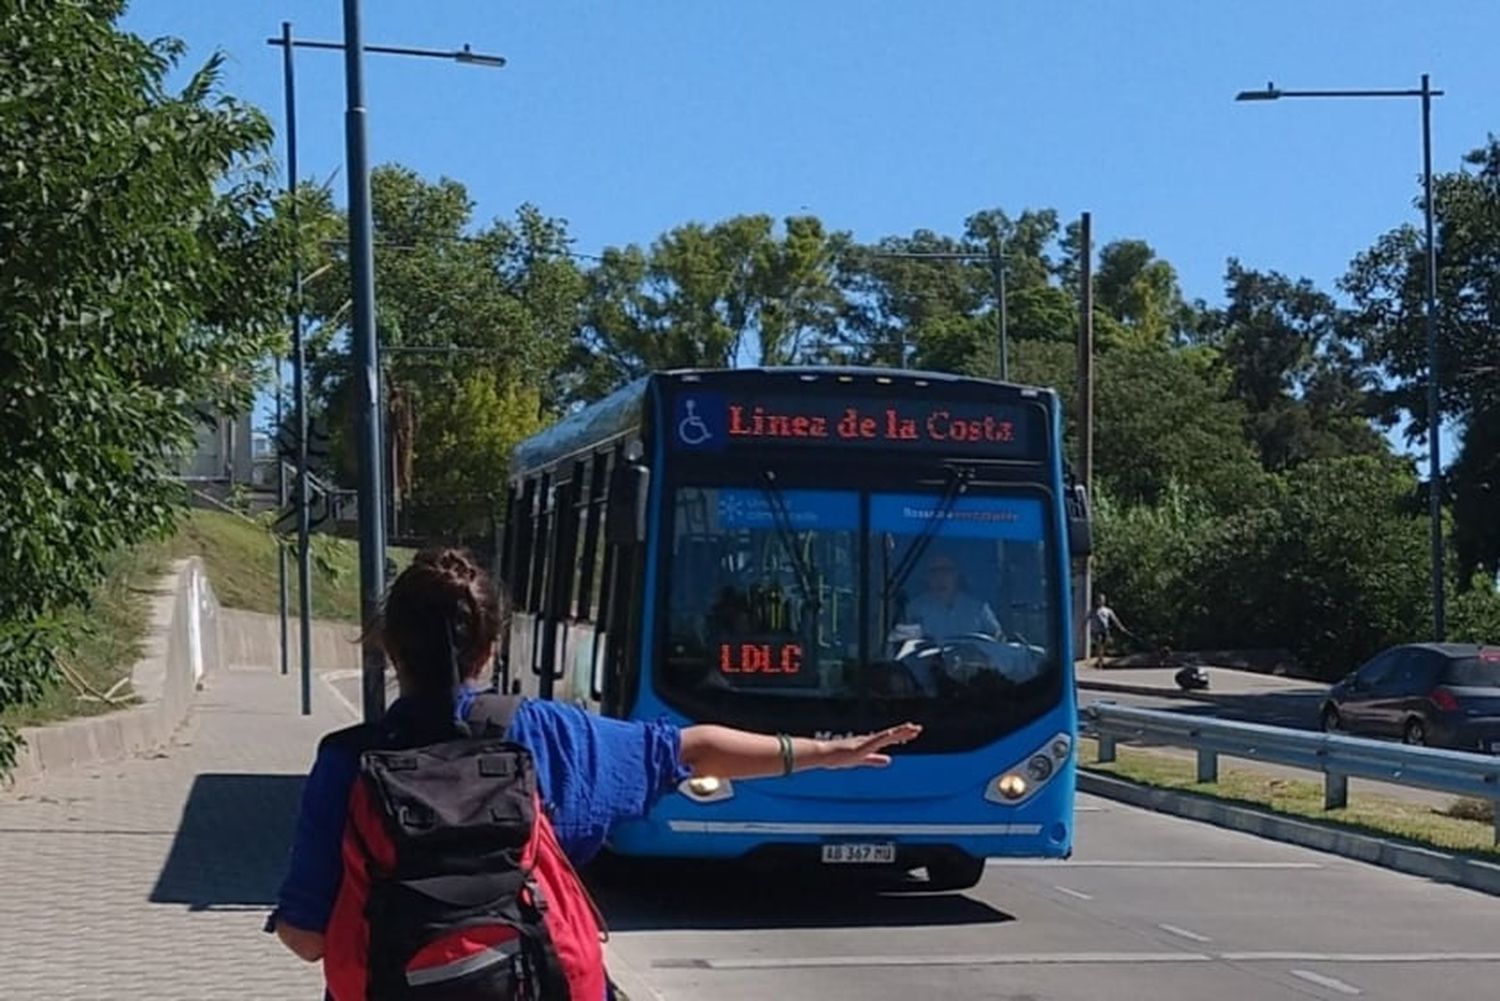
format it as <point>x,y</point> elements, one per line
<point>884,116</point>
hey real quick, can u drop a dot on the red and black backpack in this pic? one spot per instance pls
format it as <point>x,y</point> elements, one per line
<point>454,885</point>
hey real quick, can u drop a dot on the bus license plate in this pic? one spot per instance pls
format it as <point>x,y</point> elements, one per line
<point>855,854</point>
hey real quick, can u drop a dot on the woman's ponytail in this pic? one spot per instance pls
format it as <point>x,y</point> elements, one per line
<point>439,622</point>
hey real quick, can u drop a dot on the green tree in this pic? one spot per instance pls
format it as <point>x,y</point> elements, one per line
<point>932,301</point>
<point>1387,284</point>
<point>452,305</point>
<point>1284,345</point>
<point>137,255</point>
<point>1138,293</point>
<point>1161,417</point>
<point>1327,568</point>
<point>711,296</point>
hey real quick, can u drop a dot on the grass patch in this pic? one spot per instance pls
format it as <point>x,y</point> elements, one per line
<point>240,557</point>
<point>1456,830</point>
<point>107,641</point>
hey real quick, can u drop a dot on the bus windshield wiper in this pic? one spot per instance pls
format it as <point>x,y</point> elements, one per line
<point>806,571</point>
<point>958,482</point>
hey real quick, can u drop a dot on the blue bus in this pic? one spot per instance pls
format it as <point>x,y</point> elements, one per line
<point>817,551</point>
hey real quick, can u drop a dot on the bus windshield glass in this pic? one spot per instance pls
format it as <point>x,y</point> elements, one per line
<point>841,608</point>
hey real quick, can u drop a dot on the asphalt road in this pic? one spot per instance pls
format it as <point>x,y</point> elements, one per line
<point>1151,907</point>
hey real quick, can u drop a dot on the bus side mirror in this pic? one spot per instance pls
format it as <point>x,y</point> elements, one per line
<point>629,487</point>
<point>1080,523</point>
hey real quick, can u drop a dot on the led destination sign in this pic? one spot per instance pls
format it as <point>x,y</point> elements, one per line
<point>715,422</point>
<point>763,661</point>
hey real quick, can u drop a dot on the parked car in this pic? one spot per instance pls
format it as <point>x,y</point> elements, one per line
<point>1439,694</point>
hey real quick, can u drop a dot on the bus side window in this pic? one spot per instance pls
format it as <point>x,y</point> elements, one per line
<point>523,533</point>
<point>559,582</point>
<point>588,562</point>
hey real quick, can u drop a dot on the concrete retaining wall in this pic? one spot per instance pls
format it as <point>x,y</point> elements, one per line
<point>182,645</point>
<point>253,639</point>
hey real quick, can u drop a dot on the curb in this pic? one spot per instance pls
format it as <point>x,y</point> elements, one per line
<point>1218,698</point>
<point>1461,870</point>
<point>628,980</point>
<point>180,647</point>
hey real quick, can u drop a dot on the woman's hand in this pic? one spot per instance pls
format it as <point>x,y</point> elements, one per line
<point>733,754</point>
<point>866,751</point>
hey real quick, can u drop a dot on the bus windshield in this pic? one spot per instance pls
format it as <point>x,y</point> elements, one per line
<point>840,609</point>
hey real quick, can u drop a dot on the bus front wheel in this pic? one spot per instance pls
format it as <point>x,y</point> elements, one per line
<point>954,872</point>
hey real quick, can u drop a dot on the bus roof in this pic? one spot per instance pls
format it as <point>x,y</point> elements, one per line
<point>818,372</point>
<point>622,410</point>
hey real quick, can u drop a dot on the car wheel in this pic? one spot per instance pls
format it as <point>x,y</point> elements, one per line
<point>954,873</point>
<point>1330,720</point>
<point>1415,733</point>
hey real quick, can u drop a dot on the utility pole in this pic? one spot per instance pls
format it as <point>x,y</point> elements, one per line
<point>1434,410</point>
<point>997,265</point>
<point>299,380</point>
<point>1086,407</point>
<point>281,496</point>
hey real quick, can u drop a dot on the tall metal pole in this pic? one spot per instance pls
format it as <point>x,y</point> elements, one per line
<point>299,381</point>
<point>281,497</point>
<point>1086,407</point>
<point>1434,413</point>
<point>366,362</point>
<point>999,268</point>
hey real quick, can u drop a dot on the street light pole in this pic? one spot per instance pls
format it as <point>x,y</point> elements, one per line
<point>1434,412</point>
<point>1434,409</point>
<point>366,364</point>
<point>299,379</point>
<point>365,348</point>
<point>998,263</point>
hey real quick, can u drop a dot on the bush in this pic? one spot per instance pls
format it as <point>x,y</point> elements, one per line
<point>141,280</point>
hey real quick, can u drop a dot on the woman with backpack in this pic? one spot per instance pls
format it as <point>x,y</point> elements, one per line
<point>434,851</point>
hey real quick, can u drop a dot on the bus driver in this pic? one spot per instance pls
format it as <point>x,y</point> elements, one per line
<point>945,610</point>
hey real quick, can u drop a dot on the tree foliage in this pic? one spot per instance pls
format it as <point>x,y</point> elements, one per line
<point>136,254</point>
<point>1387,284</point>
<point>474,327</point>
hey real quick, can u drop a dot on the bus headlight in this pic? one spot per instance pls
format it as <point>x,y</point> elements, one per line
<point>1010,786</point>
<point>706,789</point>
<point>1026,778</point>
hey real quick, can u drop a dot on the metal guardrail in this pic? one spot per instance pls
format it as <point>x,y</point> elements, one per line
<point>1337,757</point>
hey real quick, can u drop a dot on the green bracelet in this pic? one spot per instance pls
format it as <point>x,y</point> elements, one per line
<point>788,758</point>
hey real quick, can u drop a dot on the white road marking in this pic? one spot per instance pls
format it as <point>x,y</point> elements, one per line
<point>1018,959</point>
<point>1361,957</point>
<point>1077,894</point>
<point>1150,864</point>
<point>329,680</point>
<point>735,963</point>
<point>1184,933</point>
<point>1332,983</point>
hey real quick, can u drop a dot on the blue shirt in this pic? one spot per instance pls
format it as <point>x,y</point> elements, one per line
<point>591,772</point>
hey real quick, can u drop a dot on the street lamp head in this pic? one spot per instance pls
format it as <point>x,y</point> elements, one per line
<point>468,55</point>
<point>1269,94</point>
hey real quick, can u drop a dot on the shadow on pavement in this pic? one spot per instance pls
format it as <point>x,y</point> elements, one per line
<point>231,846</point>
<point>638,895</point>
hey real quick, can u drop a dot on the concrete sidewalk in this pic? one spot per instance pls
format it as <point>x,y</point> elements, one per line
<point>151,877</point>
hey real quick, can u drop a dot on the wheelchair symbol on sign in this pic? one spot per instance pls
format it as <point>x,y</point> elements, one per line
<point>692,430</point>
